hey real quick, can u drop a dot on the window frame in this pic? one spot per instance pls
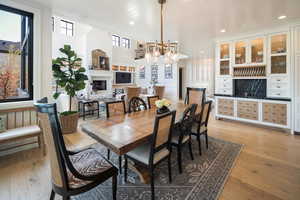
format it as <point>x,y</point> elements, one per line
<point>119,40</point>
<point>66,28</point>
<point>126,43</point>
<point>30,53</point>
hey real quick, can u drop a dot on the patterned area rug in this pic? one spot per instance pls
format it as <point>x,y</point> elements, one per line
<point>202,179</point>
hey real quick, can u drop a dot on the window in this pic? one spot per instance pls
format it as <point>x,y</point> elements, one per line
<point>52,23</point>
<point>66,28</point>
<point>126,43</point>
<point>16,55</point>
<point>115,40</point>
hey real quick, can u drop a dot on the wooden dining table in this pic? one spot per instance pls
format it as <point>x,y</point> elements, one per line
<point>123,133</point>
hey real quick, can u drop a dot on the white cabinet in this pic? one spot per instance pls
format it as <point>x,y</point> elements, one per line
<point>223,61</point>
<point>250,51</point>
<point>278,87</point>
<point>224,86</point>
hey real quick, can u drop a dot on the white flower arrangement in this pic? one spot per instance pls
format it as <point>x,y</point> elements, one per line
<point>163,102</point>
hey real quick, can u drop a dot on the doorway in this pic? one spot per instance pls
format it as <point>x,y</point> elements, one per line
<point>180,83</point>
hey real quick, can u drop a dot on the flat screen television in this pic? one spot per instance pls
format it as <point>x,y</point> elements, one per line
<point>123,78</point>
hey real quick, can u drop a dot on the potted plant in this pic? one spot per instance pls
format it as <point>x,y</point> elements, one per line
<point>162,106</point>
<point>70,76</point>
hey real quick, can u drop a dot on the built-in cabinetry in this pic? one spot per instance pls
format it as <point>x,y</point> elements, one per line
<point>264,60</point>
<point>261,111</point>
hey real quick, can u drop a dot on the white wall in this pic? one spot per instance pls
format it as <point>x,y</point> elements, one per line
<point>171,85</point>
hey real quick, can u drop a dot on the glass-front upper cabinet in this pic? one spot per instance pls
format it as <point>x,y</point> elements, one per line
<point>257,50</point>
<point>224,59</point>
<point>278,48</point>
<point>240,52</point>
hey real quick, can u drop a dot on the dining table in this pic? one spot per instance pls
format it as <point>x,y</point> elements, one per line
<point>123,133</point>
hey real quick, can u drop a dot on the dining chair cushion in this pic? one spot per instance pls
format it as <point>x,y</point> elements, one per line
<point>195,128</point>
<point>175,137</point>
<point>142,154</point>
<point>88,163</point>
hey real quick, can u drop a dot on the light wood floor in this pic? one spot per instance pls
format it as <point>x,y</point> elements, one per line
<point>267,168</point>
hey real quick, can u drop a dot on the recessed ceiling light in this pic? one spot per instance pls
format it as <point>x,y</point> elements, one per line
<point>223,31</point>
<point>131,23</point>
<point>281,17</point>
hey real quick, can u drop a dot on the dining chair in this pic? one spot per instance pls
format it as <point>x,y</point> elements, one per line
<point>130,93</point>
<point>181,133</point>
<point>195,96</point>
<point>151,101</point>
<point>200,124</point>
<point>159,91</point>
<point>115,108</point>
<point>136,104</point>
<point>72,173</point>
<point>156,150</point>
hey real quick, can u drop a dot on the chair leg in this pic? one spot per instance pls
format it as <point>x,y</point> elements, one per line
<point>199,143</point>
<point>125,168</point>
<point>179,160</point>
<point>206,138</point>
<point>52,196</point>
<point>170,169</point>
<point>120,164</point>
<point>191,149</point>
<point>114,187</point>
<point>152,183</point>
<point>108,154</point>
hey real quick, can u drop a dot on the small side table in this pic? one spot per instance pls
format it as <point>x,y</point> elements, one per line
<point>83,104</point>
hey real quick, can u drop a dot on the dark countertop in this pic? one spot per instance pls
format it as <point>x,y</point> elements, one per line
<point>265,98</point>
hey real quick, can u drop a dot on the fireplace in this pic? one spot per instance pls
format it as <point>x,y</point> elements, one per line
<point>250,88</point>
<point>98,85</point>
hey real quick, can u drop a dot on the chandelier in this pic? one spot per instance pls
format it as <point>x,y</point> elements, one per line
<point>167,50</point>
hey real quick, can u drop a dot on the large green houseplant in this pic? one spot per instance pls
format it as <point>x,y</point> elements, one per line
<point>70,76</point>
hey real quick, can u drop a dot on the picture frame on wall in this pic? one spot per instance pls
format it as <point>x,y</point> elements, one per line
<point>168,71</point>
<point>142,72</point>
<point>154,73</point>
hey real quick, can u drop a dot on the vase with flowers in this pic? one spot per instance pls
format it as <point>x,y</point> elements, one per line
<point>162,106</point>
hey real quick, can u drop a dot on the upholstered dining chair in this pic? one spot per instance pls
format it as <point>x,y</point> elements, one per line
<point>195,96</point>
<point>151,101</point>
<point>156,150</point>
<point>136,104</point>
<point>130,93</point>
<point>115,108</point>
<point>200,124</point>
<point>72,172</point>
<point>159,91</point>
<point>181,133</point>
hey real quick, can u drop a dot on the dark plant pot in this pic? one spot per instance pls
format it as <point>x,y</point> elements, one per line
<point>162,110</point>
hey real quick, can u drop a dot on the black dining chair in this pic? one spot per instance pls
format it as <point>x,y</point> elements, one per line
<point>72,173</point>
<point>195,96</point>
<point>200,124</point>
<point>181,133</point>
<point>156,150</point>
<point>136,104</point>
<point>115,108</point>
<point>151,101</point>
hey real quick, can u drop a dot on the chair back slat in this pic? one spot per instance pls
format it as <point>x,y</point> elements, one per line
<point>20,117</point>
<point>205,112</point>
<point>151,101</point>
<point>56,176</point>
<point>115,108</point>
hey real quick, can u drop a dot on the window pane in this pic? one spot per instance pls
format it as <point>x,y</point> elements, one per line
<point>15,55</point>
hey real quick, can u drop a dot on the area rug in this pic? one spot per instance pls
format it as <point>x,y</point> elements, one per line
<point>202,179</point>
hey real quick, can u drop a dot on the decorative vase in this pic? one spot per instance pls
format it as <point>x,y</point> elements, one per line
<point>69,123</point>
<point>162,110</point>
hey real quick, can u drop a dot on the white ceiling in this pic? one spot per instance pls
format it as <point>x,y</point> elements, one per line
<point>191,22</point>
